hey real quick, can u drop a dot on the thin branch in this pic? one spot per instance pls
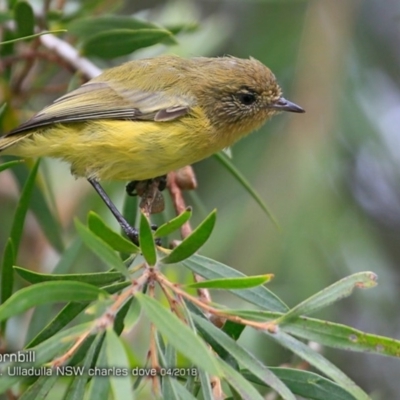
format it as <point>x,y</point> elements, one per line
<point>71,55</point>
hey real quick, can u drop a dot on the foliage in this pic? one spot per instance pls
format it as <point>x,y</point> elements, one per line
<point>194,348</point>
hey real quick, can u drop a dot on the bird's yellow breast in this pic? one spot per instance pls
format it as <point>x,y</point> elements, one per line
<point>124,150</point>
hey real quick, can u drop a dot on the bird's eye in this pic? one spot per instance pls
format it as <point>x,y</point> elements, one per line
<point>247,98</point>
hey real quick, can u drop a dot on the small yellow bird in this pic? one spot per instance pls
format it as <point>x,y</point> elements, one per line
<point>145,118</point>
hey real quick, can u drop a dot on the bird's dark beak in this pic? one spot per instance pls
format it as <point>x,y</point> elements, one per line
<point>285,105</point>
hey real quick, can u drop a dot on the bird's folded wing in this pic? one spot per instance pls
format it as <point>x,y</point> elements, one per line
<point>100,100</point>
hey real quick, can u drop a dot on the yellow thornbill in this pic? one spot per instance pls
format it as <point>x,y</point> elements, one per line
<point>145,118</point>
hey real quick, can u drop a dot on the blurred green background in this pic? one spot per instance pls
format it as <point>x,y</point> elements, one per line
<point>331,176</point>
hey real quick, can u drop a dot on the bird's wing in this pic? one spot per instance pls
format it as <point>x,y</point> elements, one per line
<point>100,100</point>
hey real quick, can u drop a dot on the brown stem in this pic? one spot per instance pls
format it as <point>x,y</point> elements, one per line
<point>180,206</point>
<point>107,319</point>
<point>268,326</point>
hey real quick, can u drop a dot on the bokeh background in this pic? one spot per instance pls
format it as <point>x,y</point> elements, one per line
<point>330,176</point>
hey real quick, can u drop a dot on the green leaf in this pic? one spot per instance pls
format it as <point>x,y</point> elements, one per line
<point>63,318</point>
<point>318,361</point>
<point>167,388</point>
<point>184,27</point>
<point>68,257</point>
<point>146,241</point>
<point>5,16</point>
<point>48,292</point>
<point>182,392</point>
<point>342,337</point>
<point>241,385</point>
<point>243,357</point>
<point>193,242</point>
<point>22,208</point>
<point>24,18</point>
<point>9,164</point>
<point>329,295</point>
<point>305,384</point>
<point>224,160</point>
<point>132,316</point>
<point>210,269</point>
<point>33,36</point>
<point>90,26</point>
<point>100,248</point>
<point>43,353</point>
<point>116,357</point>
<point>182,338</point>
<point>205,382</point>
<point>233,283</point>
<point>130,209</point>
<point>328,333</point>
<point>99,386</point>
<point>104,232</point>
<point>51,227</point>
<point>120,42</point>
<point>174,224</point>
<point>233,329</point>
<point>41,313</point>
<point>97,278</point>
<point>76,391</point>
<point>40,388</point>
<point>67,314</point>
<point>7,276</point>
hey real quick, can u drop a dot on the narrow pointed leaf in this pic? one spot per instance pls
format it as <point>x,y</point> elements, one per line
<point>99,386</point>
<point>67,314</point>
<point>120,42</point>
<point>210,269</point>
<point>193,242</point>
<point>305,384</point>
<point>205,383</point>
<point>168,390</point>
<point>329,295</point>
<point>96,278</point>
<point>24,18</point>
<point>178,334</point>
<point>90,26</point>
<point>77,388</point>
<point>7,275</point>
<point>39,205</point>
<point>33,36</point>
<point>48,292</point>
<point>9,164</point>
<point>100,248</point>
<point>22,208</point>
<point>319,362</point>
<point>244,358</point>
<point>63,318</point>
<point>116,357</point>
<point>227,163</point>
<point>146,241</point>
<point>104,232</point>
<point>174,224</point>
<point>181,391</point>
<point>246,390</point>
<point>132,316</point>
<point>233,283</point>
<point>44,352</point>
<point>40,388</point>
<point>328,333</point>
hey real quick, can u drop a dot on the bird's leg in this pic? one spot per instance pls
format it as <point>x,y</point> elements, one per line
<point>131,232</point>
